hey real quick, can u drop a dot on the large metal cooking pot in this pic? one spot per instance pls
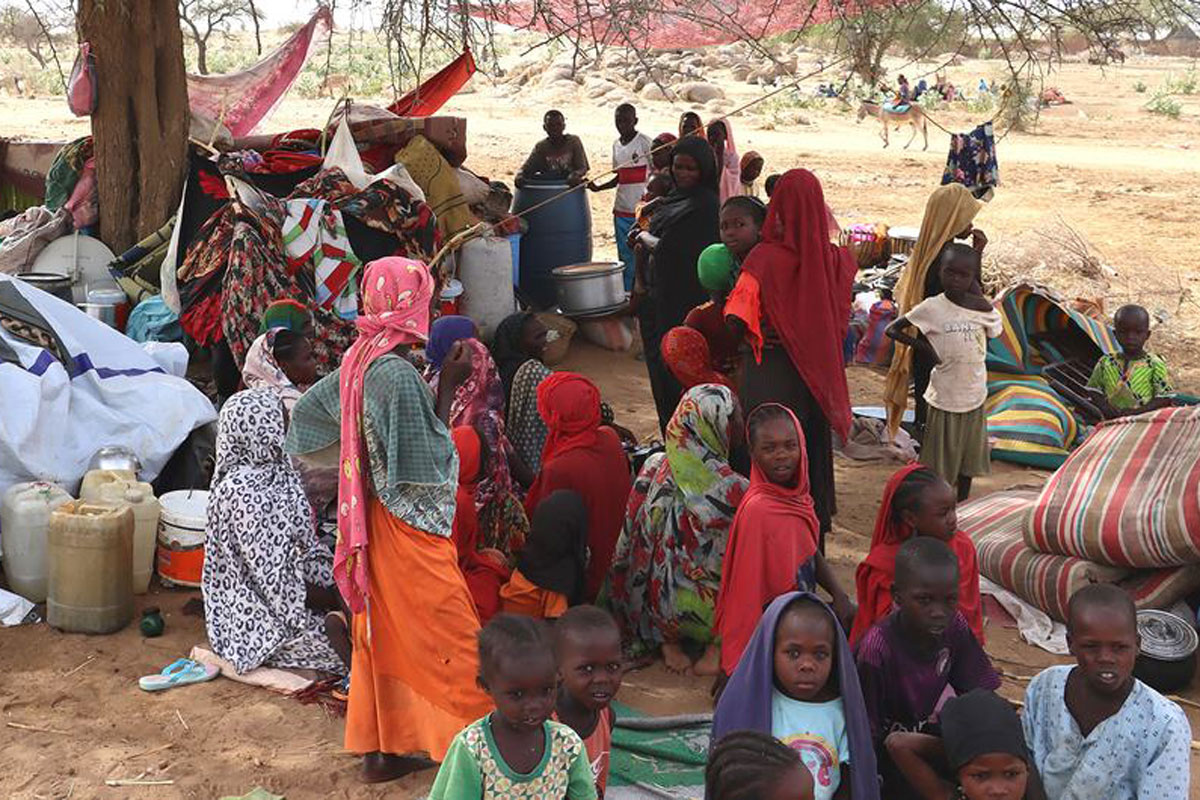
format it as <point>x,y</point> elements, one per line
<point>52,282</point>
<point>115,457</point>
<point>590,287</point>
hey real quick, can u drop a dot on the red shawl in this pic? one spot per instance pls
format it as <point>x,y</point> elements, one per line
<point>484,575</point>
<point>569,404</point>
<point>875,575</point>
<point>805,284</point>
<point>581,456</point>
<point>774,532</point>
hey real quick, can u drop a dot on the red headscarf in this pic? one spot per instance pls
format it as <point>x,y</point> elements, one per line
<point>875,575</point>
<point>569,404</point>
<point>484,576</point>
<point>805,284</point>
<point>686,353</point>
<point>774,532</point>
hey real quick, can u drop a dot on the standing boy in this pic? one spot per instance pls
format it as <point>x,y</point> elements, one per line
<point>631,160</point>
<point>1094,729</point>
<point>587,644</point>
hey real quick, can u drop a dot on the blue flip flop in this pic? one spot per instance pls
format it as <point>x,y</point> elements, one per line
<point>180,673</point>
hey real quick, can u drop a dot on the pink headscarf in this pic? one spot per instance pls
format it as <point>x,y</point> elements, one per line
<point>395,299</point>
<point>731,170</point>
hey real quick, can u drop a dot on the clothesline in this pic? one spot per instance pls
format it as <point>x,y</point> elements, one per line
<point>745,106</point>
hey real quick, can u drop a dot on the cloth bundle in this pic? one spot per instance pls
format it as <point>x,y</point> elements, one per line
<point>997,522</point>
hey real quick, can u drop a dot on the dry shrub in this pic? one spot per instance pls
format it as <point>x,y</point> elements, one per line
<point>1052,254</point>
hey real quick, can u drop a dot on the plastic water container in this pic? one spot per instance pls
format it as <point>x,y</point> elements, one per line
<point>140,498</point>
<point>91,568</point>
<point>181,534</point>
<point>485,269</point>
<point>560,233</point>
<point>24,523</point>
<point>514,239</point>
<point>95,479</point>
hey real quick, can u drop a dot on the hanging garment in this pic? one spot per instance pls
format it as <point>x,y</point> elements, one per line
<point>972,161</point>
<point>314,235</point>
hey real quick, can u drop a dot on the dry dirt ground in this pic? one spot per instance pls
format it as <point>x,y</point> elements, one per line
<point>1127,180</point>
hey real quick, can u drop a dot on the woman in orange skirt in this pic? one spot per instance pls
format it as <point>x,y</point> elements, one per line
<point>413,677</point>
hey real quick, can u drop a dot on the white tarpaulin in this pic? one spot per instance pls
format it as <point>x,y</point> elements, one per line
<point>54,416</point>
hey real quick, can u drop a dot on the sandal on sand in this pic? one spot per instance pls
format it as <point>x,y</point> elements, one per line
<point>180,673</point>
<point>341,690</point>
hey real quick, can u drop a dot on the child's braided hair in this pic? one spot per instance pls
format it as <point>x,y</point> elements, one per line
<point>745,765</point>
<point>909,492</point>
<point>767,412</point>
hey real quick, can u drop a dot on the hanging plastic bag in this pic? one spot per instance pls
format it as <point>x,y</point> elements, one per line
<point>81,88</point>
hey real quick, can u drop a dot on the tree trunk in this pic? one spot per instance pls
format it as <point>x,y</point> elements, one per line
<point>140,124</point>
<point>202,56</point>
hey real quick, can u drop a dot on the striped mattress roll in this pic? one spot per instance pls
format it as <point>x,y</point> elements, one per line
<point>1129,496</point>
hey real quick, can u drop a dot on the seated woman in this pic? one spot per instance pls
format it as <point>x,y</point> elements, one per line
<point>281,360</point>
<point>667,568</point>
<point>517,349</point>
<point>484,570</point>
<point>479,403</point>
<point>583,456</point>
<point>549,577</point>
<point>559,156</point>
<point>267,581</point>
<point>442,335</point>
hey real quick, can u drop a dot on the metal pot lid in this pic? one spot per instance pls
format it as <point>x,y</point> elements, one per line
<point>588,269</point>
<point>1165,636</point>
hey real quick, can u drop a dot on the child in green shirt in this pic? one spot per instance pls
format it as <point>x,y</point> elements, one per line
<point>516,751</point>
<point>1135,380</point>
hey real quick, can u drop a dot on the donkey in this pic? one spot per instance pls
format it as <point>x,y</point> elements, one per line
<point>914,115</point>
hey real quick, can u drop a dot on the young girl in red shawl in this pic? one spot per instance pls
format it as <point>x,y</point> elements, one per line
<point>484,569</point>
<point>916,502</point>
<point>792,301</point>
<point>772,546</point>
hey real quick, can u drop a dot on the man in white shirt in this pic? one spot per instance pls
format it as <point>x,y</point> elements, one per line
<point>632,163</point>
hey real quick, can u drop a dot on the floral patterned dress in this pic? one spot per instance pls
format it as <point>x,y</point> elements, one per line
<point>667,568</point>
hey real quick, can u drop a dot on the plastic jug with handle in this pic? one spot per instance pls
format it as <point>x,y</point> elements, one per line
<point>91,568</point>
<point>110,488</point>
<point>24,520</point>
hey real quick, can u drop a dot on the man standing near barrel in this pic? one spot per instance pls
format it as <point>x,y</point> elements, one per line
<point>632,162</point>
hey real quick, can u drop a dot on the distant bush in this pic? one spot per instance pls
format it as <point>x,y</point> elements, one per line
<point>1164,105</point>
<point>1139,87</point>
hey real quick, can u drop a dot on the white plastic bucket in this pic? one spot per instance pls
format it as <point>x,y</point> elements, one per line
<point>181,536</point>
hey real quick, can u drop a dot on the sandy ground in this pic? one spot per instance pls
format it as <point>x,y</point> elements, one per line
<point>1125,179</point>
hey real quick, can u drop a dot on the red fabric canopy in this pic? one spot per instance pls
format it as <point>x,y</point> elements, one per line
<point>676,23</point>
<point>435,90</point>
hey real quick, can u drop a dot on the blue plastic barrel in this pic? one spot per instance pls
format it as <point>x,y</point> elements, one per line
<point>560,233</point>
